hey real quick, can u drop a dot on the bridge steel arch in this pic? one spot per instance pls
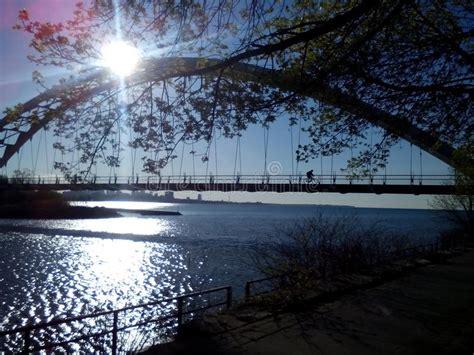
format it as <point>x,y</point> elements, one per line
<point>19,127</point>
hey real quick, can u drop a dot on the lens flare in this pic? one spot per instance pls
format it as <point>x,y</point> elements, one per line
<point>120,57</point>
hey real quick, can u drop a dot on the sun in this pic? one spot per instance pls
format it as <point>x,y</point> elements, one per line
<point>120,57</point>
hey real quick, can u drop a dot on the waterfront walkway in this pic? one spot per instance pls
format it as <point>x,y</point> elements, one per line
<point>428,311</point>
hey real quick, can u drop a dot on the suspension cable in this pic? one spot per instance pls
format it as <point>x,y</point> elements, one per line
<point>333,175</point>
<point>352,147</point>
<point>237,148</point>
<point>266,133</point>
<point>292,151</point>
<point>371,147</point>
<point>172,166</point>
<point>157,154</point>
<point>134,159</point>
<point>151,116</point>
<point>240,157</point>
<point>208,150</point>
<point>110,173</point>
<point>215,150</point>
<point>182,158</point>
<point>46,153</point>
<point>114,169</point>
<point>299,144</point>
<point>73,154</point>
<point>321,165</point>
<point>62,150</point>
<point>20,155</point>
<point>37,152</point>
<point>78,167</point>
<point>54,159</point>
<point>133,151</point>
<point>193,153</point>
<point>385,164</point>
<point>421,166</point>
<point>32,157</point>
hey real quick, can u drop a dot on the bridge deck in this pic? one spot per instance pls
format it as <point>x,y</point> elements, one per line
<point>414,189</point>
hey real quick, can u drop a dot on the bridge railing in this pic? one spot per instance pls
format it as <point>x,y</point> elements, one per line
<point>116,330</point>
<point>328,179</point>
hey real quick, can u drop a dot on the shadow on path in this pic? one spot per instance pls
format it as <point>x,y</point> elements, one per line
<point>428,311</point>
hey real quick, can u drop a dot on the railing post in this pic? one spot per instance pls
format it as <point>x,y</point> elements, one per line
<point>180,311</point>
<point>27,339</point>
<point>229,296</point>
<point>114,334</point>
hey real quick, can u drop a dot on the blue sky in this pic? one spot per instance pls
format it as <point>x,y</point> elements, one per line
<point>16,86</point>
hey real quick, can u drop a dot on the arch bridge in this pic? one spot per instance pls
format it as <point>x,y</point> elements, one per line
<point>21,124</point>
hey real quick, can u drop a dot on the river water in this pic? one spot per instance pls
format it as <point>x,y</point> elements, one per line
<point>71,267</point>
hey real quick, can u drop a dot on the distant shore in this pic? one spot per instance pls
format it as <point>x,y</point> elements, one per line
<point>65,212</point>
<point>52,205</point>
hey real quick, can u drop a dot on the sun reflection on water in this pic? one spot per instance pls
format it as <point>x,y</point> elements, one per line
<point>65,277</point>
<point>124,225</point>
<point>115,261</point>
<point>121,225</point>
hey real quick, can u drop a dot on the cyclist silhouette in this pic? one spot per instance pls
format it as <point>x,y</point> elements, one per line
<point>310,176</point>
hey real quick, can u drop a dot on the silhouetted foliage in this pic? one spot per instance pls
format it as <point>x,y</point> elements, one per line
<point>322,247</point>
<point>339,67</point>
<point>459,208</point>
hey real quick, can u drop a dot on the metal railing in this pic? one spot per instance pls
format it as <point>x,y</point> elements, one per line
<point>113,325</point>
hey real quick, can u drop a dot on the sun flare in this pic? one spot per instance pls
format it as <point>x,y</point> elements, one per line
<point>120,57</point>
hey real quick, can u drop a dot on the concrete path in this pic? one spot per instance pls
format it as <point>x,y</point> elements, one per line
<point>429,311</point>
